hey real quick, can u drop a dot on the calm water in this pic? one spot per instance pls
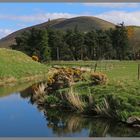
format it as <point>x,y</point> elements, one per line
<point>19,117</point>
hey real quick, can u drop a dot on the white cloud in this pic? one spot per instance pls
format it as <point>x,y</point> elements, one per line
<point>37,17</point>
<point>129,18</point>
<point>113,5</point>
<point>4,32</point>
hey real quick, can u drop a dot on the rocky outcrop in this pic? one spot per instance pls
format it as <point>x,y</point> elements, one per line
<point>134,121</point>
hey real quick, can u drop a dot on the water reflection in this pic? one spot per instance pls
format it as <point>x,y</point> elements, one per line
<point>14,88</point>
<point>70,124</point>
<point>34,119</point>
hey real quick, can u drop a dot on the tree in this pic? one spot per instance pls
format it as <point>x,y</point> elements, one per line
<point>120,41</point>
<point>134,43</point>
<point>33,42</point>
<point>75,42</point>
<point>91,44</point>
<point>56,43</point>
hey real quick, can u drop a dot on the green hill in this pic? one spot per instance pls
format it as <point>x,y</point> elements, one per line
<point>84,23</point>
<point>15,65</point>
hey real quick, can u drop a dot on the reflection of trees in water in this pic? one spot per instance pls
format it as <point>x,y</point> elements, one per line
<point>64,124</point>
<point>68,123</point>
<point>123,131</point>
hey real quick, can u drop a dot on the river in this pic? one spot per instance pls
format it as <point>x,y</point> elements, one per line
<point>20,117</point>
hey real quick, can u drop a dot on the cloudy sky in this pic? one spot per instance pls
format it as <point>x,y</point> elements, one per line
<point>14,16</point>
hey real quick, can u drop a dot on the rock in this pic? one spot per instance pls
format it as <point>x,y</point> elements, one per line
<point>134,120</point>
<point>136,125</point>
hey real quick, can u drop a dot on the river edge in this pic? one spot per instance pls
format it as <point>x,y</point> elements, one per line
<point>31,78</point>
<point>42,101</point>
<point>42,77</point>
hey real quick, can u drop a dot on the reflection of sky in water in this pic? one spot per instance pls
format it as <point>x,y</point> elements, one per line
<point>20,118</point>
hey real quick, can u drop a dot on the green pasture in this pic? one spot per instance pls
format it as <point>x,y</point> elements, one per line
<point>115,69</point>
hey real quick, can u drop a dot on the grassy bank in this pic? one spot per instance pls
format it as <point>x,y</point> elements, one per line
<point>116,99</point>
<point>16,66</point>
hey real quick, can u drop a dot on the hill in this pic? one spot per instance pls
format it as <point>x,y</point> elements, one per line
<point>84,23</point>
<point>16,65</point>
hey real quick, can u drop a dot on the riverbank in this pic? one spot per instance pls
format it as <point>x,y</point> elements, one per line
<point>15,67</point>
<point>118,100</point>
<point>113,93</point>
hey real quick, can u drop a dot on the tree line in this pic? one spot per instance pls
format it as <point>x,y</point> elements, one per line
<point>52,44</point>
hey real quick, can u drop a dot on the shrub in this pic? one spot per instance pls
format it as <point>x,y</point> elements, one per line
<point>99,78</point>
<point>58,80</point>
<point>64,77</point>
<point>35,58</point>
<point>51,99</point>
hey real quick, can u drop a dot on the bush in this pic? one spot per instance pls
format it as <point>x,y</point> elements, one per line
<point>58,81</point>
<point>51,99</point>
<point>98,78</point>
<point>64,77</point>
<point>35,58</point>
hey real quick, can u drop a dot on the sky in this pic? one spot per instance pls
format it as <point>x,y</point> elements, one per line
<point>15,16</point>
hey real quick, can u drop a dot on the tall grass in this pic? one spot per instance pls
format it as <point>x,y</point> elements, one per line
<point>74,100</point>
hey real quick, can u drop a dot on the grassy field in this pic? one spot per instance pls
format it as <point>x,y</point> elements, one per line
<point>116,70</point>
<point>15,65</point>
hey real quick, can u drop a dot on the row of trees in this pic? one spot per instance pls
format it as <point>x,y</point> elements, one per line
<point>76,45</point>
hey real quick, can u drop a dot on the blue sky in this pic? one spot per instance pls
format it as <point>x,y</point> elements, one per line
<point>14,16</point>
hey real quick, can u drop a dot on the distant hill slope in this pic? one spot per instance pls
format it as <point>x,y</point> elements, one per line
<point>84,23</point>
<point>8,40</point>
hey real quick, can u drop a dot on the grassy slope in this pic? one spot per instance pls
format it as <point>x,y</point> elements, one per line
<point>84,23</point>
<point>16,65</point>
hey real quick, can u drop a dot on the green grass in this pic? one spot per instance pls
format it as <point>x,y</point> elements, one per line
<point>122,99</point>
<point>122,93</point>
<point>115,70</point>
<point>17,65</point>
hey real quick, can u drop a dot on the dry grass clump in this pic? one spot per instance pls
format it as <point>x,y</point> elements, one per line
<point>7,80</point>
<point>103,109</point>
<point>74,100</point>
<point>39,92</point>
<point>98,78</point>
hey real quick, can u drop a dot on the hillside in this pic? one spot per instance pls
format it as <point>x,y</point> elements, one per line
<point>84,23</point>
<point>15,65</point>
